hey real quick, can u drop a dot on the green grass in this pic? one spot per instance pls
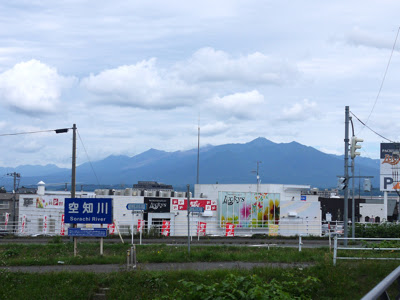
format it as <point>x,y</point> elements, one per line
<point>348,280</point>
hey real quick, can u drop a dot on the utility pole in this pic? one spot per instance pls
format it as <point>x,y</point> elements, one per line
<point>346,172</point>
<point>188,215</point>
<point>73,179</point>
<point>15,175</point>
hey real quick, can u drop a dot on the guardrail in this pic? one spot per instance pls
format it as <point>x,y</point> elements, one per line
<point>380,290</point>
<point>336,248</point>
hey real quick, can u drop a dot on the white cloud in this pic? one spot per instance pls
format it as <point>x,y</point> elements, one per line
<point>239,105</point>
<point>300,111</point>
<point>141,85</point>
<point>358,37</point>
<point>211,65</point>
<point>32,87</point>
<point>215,128</point>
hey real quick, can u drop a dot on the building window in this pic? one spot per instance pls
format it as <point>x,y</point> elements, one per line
<point>40,225</point>
<point>52,226</point>
<point>4,204</point>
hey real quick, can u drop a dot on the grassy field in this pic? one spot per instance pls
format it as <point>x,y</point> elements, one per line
<point>322,280</point>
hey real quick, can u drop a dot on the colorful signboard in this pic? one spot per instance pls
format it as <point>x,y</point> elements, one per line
<point>248,210</point>
<point>390,167</point>
<point>88,210</point>
<point>181,204</point>
<point>49,202</point>
<point>140,225</point>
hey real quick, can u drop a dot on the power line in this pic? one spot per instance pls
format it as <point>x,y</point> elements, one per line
<point>365,125</point>
<point>39,131</point>
<point>383,79</point>
<point>88,158</point>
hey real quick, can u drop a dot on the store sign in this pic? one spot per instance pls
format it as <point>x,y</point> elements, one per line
<point>390,167</point>
<point>181,204</point>
<point>88,210</point>
<point>157,205</point>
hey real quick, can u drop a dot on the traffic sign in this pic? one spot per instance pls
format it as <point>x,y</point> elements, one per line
<point>88,210</point>
<point>95,232</point>
<point>136,206</point>
<point>196,209</point>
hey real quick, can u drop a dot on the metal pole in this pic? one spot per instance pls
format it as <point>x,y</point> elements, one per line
<point>73,179</point>
<point>334,250</point>
<point>353,206</point>
<point>101,243</point>
<point>346,173</point>
<point>188,216</point>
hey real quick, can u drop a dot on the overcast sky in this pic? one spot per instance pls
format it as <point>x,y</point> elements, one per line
<point>135,75</point>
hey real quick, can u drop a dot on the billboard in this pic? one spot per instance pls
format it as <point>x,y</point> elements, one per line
<point>88,210</point>
<point>390,167</point>
<point>248,210</point>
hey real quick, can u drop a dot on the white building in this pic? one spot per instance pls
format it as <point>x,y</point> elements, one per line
<point>276,208</point>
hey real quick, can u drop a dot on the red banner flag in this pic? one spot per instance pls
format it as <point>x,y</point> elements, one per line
<point>62,231</point>
<point>230,229</point>
<point>201,228</point>
<point>166,226</point>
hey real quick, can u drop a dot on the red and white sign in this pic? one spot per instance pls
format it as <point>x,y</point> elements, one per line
<point>140,224</point>
<point>181,204</point>
<point>62,231</point>
<point>230,229</point>
<point>6,222</point>
<point>166,226</point>
<point>201,228</point>
<point>111,228</point>
<point>44,224</point>
<point>23,224</point>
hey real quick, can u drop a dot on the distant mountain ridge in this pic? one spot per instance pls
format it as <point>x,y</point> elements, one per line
<point>285,163</point>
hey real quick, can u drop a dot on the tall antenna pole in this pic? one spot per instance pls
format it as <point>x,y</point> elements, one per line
<point>198,151</point>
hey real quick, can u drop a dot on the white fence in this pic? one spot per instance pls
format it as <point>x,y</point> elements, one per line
<point>52,226</point>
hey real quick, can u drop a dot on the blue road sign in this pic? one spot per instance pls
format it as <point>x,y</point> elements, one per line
<point>136,206</point>
<point>303,198</point>
<point>95,232</point>
<point>88,210</point>
<point>196,209</point>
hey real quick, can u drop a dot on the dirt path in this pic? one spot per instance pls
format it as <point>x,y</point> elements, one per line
<point>201,266</point>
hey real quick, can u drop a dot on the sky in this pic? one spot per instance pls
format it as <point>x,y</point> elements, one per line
<point>136,75</point>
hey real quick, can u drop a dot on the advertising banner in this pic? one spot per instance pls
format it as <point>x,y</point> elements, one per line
<point>45,225</point>
<point>166,226</point>
<point>273,230</point>
<point>49,202</point>
<point>230,229</point>
<point>140,224</point>
<point>181,204</point>
<point>201,228</point>
<point>390,167</point>
<point>23,224</point>
<point>111,228</point>
<point>6,221</point>
<point>248,210</point>
<point>62,231</point>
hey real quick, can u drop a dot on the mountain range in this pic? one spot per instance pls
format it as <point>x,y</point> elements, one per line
<point>285,163</point>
